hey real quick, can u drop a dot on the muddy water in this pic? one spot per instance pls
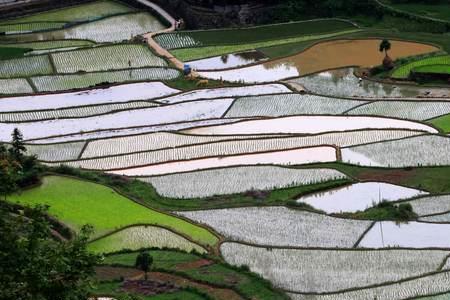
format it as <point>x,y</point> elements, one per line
<point>343,53</point>
<point>343,83</point>
<point>228,60</point>
<point>359,196</point>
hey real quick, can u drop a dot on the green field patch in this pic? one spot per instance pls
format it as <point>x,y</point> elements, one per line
<point>253,34</point>
<point>438,69</point>
<point>431,10</point>
<point>442,122</point>
<point>10,52</point>
<point>124,56</point>
<point>30,27</point>
<point>26,66</point>
<point>195,53</point>
<point>15,86</point>
<point>137,237</point>
<point>77,203</point>
<point>403,71</point>
<point>79,13</point>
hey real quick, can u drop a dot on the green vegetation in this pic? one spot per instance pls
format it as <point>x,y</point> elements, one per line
<point>77,203</point>
<point>266,33</point>
<point>147,195</point>
<point>12,52</point>
<point>79,13</point>
<point>44,45</point>
<point>403,71</point>
<point>439,69</point>
<point>383,211</point>
<point>30,27</point>
<point>431,9</point>
<point>442,123</point>
<point>188,54</point>
<point>214,273</point>
<point>36,266</point>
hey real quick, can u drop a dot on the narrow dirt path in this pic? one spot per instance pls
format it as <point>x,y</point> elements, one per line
<point>149,36</point>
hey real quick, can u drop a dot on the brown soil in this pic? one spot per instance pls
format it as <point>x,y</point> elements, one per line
<point>116,273</point>
<point>216,293</point>
<point>342,53</point>
<point>391,176</point>
<point>149,287</point>
<point>194,265</point>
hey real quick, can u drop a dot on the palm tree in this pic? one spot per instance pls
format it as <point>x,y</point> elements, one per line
<point>385,46</point>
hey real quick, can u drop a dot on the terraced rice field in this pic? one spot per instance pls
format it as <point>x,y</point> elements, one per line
<point>319,271</point>
<point>208,183</point>
<point>106,58</point>
<point>138,237</point>
<point>84,200</point>
<point>248,174</point>
<point>280,226</point>
<point>427,150</point>
<point>113,29</point>
<point>54,83</point>
<point>404,71</point>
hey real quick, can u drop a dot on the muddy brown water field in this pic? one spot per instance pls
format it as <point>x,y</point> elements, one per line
<point>342,53</point>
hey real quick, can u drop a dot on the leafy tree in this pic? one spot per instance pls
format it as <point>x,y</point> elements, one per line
<point>385,46</point>
<point>34,266</point>
<point>17,149</point>
<point>144,262</point>
<point>8,177</point>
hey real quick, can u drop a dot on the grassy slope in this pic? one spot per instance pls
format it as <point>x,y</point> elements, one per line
<point>218,274</point>
<point>441,69</point>
<point>442,123</point>
<point>403,71</point>
<point>78,202</point>
<point>266,33</point>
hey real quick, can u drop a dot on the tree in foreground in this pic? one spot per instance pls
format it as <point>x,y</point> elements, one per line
<point>385,46</point>
<point>144,262</point>
<point>36,266</point>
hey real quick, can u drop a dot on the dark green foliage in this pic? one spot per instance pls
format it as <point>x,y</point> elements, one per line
<point>33,266</point>
<point>385,46</point>
<point>144,262</point>
<point>385,211</point>
<point>11,52</point>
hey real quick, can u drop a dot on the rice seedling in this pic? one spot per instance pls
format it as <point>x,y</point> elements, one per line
<point>410,235</point>
<point>106,58</point>
<point>15,86</point>
<point>322,271</point>
<point>131,118</point>
<point>280,226</point>
<point>176,40</point>
<point>46,45</point>
<point>138,237</point>
<point>427,150</point>
<point>56,152</point>
<point>428,285</point>
<point>403,71</point>
<point>310,125</point>
<point>78,81</point>
<point>27,66</point>
<point>289,104</point>
<point>90,203</point>
<point>261,89</point>
<point>114,94</point>
<point>403,109</point>
<point>238,180</point>
<point>431,205</point>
